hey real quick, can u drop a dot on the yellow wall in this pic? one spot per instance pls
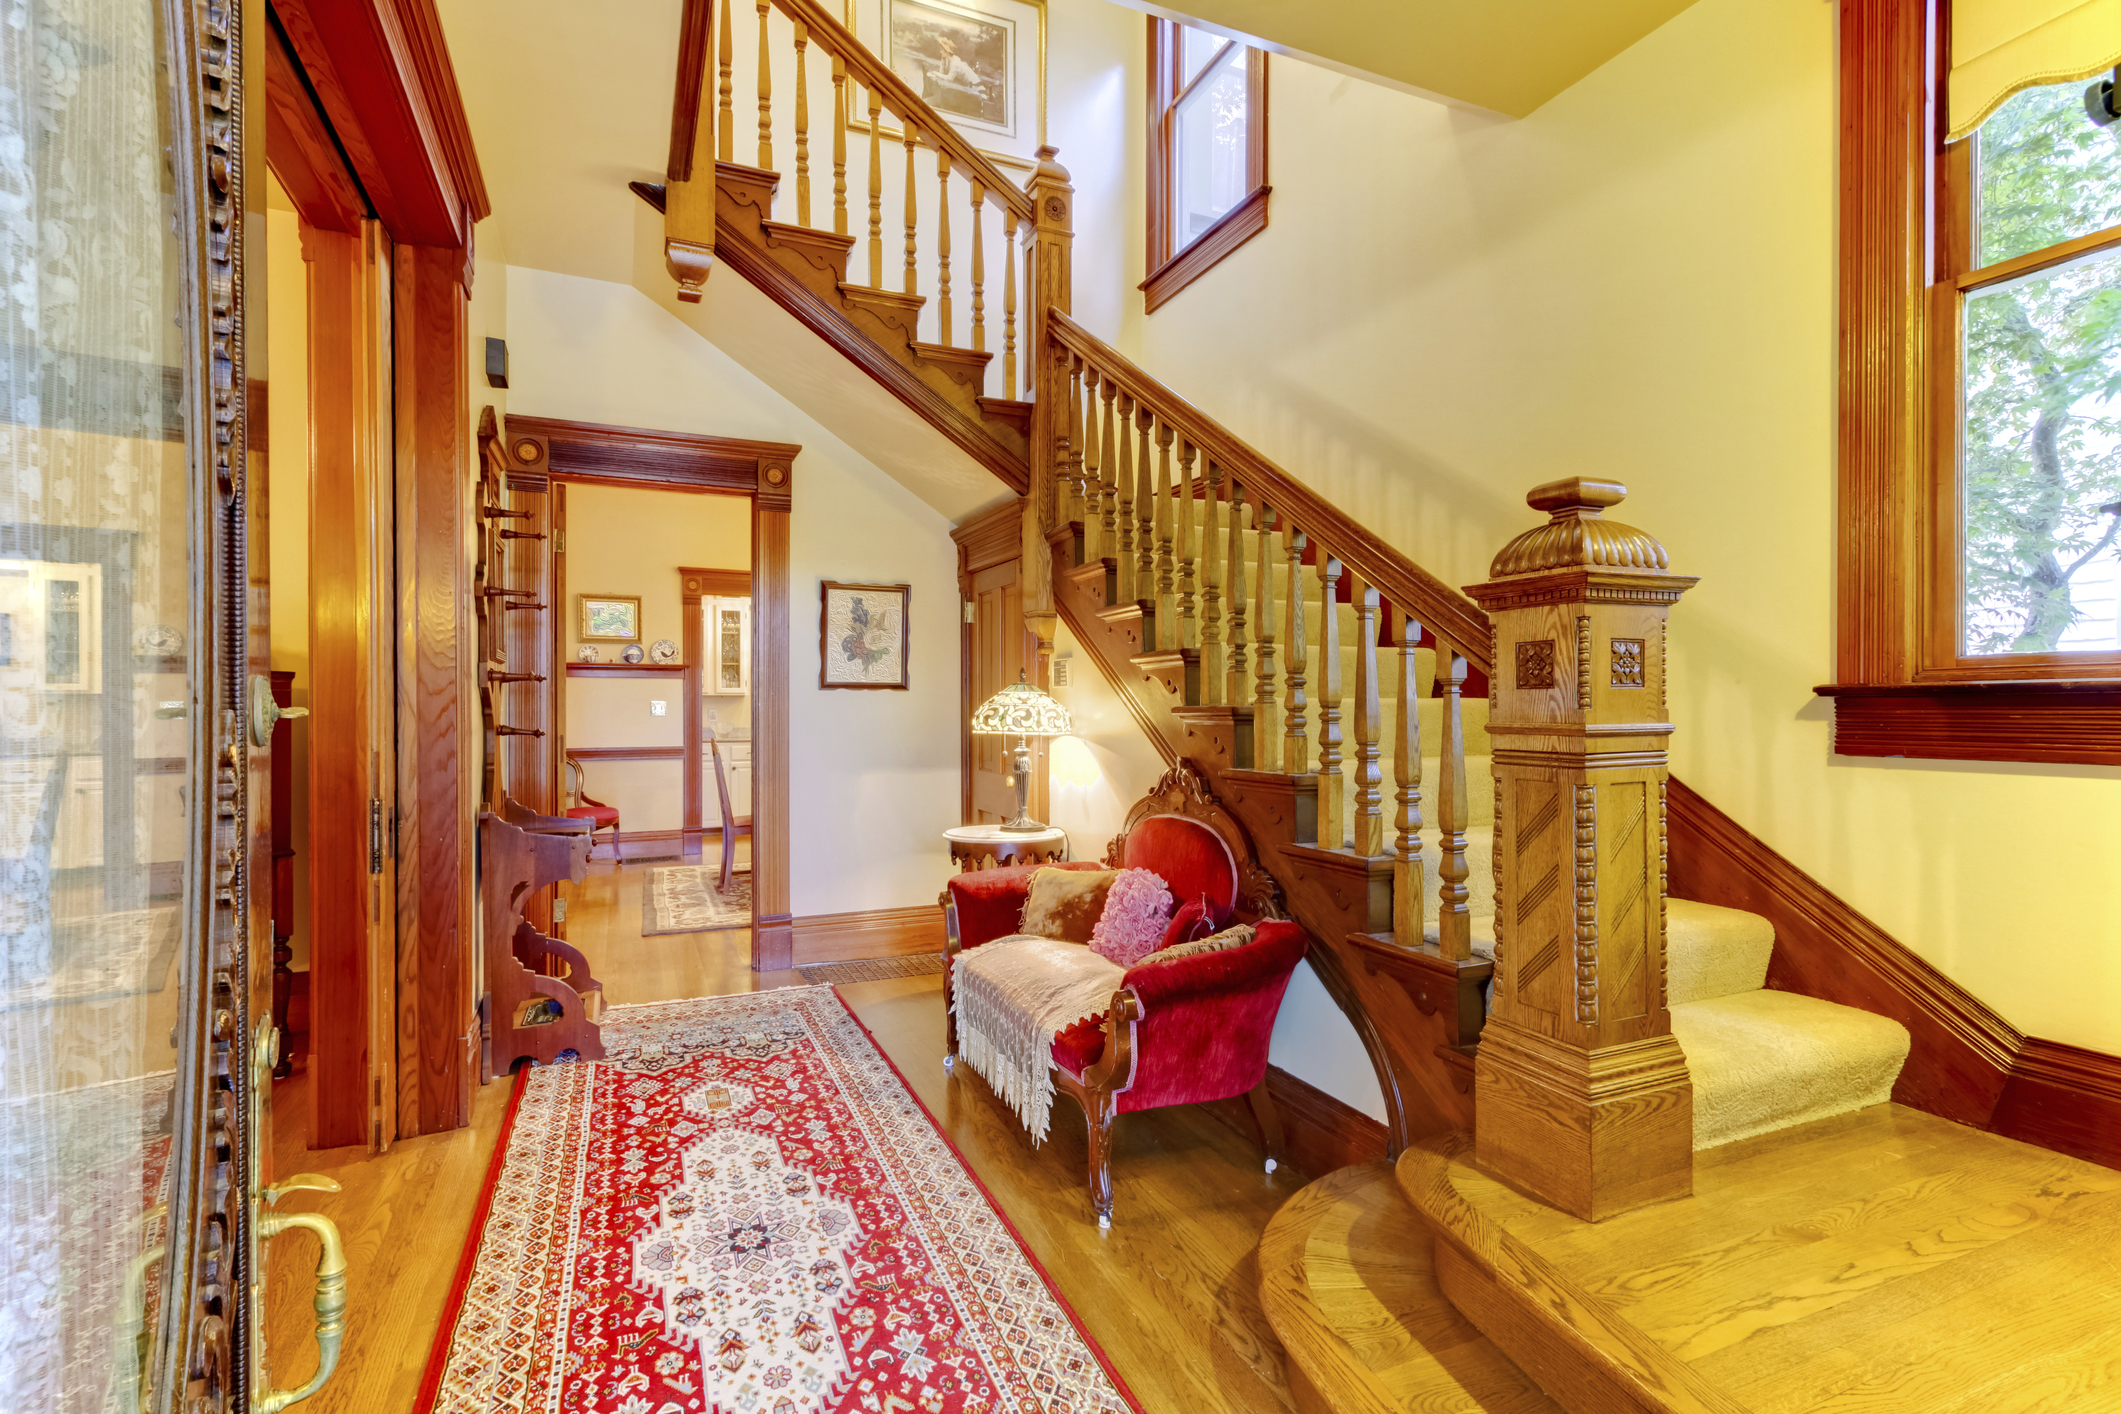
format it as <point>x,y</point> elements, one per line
<point>622,540</point>
<point>1637,282</point>
<point>287,480</point>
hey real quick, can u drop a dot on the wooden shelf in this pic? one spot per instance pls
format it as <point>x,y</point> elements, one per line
<point>624,670</point>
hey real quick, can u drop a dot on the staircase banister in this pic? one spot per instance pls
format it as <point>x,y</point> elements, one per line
<point>872,73</point>
<point>1412,590</point>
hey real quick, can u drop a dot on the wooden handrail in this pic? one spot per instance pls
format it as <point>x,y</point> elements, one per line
<point>868,70</point>
<point>1412,590</point>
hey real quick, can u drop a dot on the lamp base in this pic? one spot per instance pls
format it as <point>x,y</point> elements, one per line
<point>1022,826</point>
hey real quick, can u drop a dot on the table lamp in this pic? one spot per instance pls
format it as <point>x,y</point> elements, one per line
<point>1022,711</point>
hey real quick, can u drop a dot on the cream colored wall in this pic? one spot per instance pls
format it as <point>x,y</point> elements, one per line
<point>1637,282</point>
<point>1095,776</point>
<point>287,528</point>
<point>873,775</point>
<point>624,540</point>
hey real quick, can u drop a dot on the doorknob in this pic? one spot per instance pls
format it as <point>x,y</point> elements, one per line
<point>330,1299</point>
<point>264,711</point>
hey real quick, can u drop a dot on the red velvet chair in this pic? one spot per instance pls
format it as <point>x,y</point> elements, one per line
<point>1191,1031</point>
<point>599,815</point>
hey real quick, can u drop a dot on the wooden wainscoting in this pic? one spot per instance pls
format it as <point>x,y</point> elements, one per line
<point>875,932</point>
<point>1319,1133</point>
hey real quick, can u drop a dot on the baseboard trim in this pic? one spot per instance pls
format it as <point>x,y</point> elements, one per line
<point>875,932</point>
<point>1966,1062</point>
<point>1319,1133</point>
<point>626,845</point>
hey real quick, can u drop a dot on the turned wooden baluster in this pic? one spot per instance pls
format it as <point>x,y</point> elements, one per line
<point>1332,783</point>
<point>1166,551</point>
<point>876,191</point>
<point>1409,878</point>
<point>1076,451</point>
<point>1097,513</point>
<point>1009,305</point>
<point>1123,480</point>
<point>765,91</point>
<point>1188,629</point>
<point>913,210</point>
<point>1369,835</point>
<point>839,146</point>
<point>1214,668</point>
<point>942,244</point>
<point>1296,729</point>
<point>1454,919</point>
<point>1266,704</point>
<point>979,273</point>
<point>725,116</point>
<point>1237,686</point>
<point>802,124</point>
<point>1144,515</point>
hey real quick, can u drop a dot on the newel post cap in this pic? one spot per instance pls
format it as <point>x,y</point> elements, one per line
<point>1577,536</point>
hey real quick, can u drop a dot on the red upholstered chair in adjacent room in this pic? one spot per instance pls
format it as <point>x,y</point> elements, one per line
<point>1189,1031</point>
<point>599,815</point>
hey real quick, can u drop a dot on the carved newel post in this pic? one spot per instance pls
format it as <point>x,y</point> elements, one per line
<point>1582,1096</point>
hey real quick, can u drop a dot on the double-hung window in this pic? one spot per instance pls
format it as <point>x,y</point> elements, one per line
<point>1980,417</point>
<point>1207,152</point>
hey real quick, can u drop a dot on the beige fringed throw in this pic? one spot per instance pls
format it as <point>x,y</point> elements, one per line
<point>1012,997</point>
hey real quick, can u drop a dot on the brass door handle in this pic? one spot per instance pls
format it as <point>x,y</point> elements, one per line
<point>331,1294</point>
<point>264,711</point>
<point>317,1181</point>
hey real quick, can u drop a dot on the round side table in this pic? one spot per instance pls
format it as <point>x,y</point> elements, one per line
<point>992,847</point>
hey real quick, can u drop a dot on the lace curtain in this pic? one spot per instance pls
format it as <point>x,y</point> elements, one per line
<point>93,622</point>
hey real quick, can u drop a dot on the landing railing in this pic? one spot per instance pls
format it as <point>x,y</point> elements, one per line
<point>919,233</point>
<point>1173,525</point>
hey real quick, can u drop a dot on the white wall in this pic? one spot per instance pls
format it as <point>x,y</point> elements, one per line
<point>873,775</point>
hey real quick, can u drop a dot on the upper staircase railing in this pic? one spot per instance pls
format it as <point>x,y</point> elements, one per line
<point>919,233</point>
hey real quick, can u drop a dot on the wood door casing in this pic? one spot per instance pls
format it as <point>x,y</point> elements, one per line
<point>1001,648</point>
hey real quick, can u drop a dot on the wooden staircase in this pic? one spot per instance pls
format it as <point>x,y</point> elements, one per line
<point>1336,698</point>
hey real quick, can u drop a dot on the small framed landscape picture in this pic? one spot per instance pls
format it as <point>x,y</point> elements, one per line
<point>610,618</point>
<point>863,635</point>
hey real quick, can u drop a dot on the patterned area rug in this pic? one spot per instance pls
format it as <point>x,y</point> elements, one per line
<point>874,969</point>
<point>745,1209</point>
<point>683,899</point>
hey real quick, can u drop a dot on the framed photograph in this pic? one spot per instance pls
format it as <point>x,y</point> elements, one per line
<point>863,635</point>
<point>610,618</point>
<point>980,63</point>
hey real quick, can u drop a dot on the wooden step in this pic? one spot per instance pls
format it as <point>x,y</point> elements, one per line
<point>1884,1261</point>
<point>1346,1281</point>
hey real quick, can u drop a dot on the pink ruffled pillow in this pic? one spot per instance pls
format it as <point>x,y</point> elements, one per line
<point>1137,909</point>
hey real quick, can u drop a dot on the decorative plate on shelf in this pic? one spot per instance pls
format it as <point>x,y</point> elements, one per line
<point>587,653</point>
<point>662,651</point>
<point>159,641</point>
<point>633,653</point>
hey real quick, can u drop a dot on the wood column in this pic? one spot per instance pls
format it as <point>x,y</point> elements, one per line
<point>772,935</point>
<point>1582,1095</point>
<point>1052,204</point>
<point>438,1027</point>
<point>353,892</point>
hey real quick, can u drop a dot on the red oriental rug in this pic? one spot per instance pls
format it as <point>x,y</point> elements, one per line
<point>745,1209</point>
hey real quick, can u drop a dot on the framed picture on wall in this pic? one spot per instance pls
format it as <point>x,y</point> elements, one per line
<point>863,635</point>
<point>610,618</point>
<point>980,63</point>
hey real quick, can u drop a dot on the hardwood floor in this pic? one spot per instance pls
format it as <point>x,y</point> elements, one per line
<point>1886,1261</point>
<point>1171,1292</point>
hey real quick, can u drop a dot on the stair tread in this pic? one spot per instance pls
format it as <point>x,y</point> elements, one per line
<point>1712,951</point>
<point>1763,1061</point>
<point>1347,1284</point>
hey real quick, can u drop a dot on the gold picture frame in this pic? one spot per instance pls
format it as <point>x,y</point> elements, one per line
<point>602,617</point>
<point>1012,146</point>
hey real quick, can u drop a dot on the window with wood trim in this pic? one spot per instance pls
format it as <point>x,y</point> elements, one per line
<point>1207,152</point>
<point>1980,408</point>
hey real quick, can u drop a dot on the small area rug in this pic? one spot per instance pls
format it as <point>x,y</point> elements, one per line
<point>683,899</point>
<point>874,969</point>
<point>744,1208</point>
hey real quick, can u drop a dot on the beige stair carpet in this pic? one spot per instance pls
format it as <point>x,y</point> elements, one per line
<point>1763,1061</point>
<point>1712,951</point>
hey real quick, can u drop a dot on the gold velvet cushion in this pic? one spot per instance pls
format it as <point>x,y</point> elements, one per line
<point>1066,903</point>
<point>1235,937</point>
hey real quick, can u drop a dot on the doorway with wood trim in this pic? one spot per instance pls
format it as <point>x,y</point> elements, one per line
<point>652,602</point>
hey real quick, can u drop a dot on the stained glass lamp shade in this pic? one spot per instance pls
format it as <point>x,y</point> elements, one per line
<point>1022,711</point>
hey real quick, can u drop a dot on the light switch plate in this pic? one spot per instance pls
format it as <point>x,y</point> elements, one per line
<point>657,707</point>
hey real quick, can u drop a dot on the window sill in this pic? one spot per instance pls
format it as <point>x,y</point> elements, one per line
<point>2076,722</point>
<point>1239,224</point>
